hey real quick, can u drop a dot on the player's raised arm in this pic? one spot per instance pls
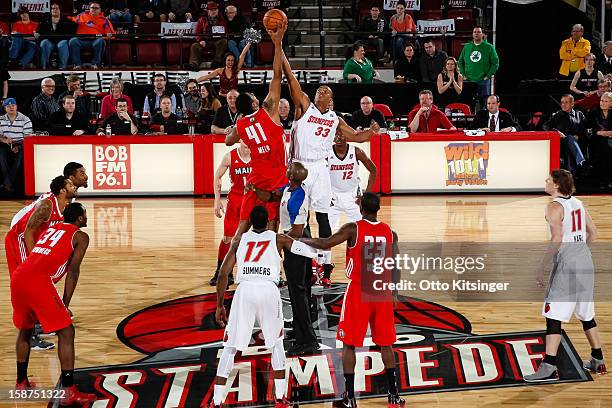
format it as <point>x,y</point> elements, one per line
<point>300,99</point>
<point>40,216</point>
<point>80,241</point>
<point>270,104</point>
<point>360,136</point>
<point>346,233</point>
<point>369,164</point>
<point>221,169</point>
<point>226,267</point>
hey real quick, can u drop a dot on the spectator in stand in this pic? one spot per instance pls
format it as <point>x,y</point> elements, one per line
<point>432,62</point>
<point>407,66</point>
<point>4,79</point>
<point>450,83</point>
<point>236,24</point>
<point>226,115</point>
<point>401,23</point>
<point>285,113</point>
<point>55,30</point>
<point>182,11</point>
<point>121,11</point>
<point>211,28</point>
<point>109,102</point>
<point>426,117</point>
<point>14,126</point>
<point>209,104</point>
<point>601,123</point>
<point>494,120</point>
<point>44,105</point>
<point>23,43</point>
<point>374,23</point>
<point>478,62</point>
<point>152,11</point>
<point>191,98</point>
<point>228,75</point>
<point>362,118</point>
<point>604,61</point>
<point>166,122</point>
<point>571,126</point>
<point>73,82</point>
<point>152,99</point>
<point>93,23</point>
<point>572,52</point>
<point>121,121</point>
<point>585,80</point>
<point>358,68</point>
<point>591,102</point>
<point>67,121</point>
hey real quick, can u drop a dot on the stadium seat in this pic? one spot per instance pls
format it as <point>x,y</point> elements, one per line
<point>148,52</point>
<point>384,109</point>
<point>430,15</point>
<point>265,52</point>
<point>457,45</point>
<point>431,4</point>
<point>313,77</point>
<point>245,7</point>
<point>464,20</point>
<point>120,52</point>
<point>465,109</point>
<point>255,77</point>
<point>4,28</point>
<point>173,48</point>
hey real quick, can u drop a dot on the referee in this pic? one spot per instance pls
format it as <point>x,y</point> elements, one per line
<point>293,218</point>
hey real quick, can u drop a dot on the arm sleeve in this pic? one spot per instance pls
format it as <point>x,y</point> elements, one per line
<point>300,248</point>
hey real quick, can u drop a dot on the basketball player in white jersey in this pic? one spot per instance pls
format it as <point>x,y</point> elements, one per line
<point>571,283</point>
<point>343,163</point>
<point>257,298</point>
<point>312,137</point>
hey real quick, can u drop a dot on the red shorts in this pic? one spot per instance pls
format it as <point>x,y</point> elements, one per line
<point>232,214</point>
<point>15,251</point>
<point>35,298</point>
<point>356,315</point>
<point>271,179</point>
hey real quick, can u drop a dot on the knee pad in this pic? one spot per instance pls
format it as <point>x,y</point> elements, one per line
<point>278,355</point>
<point>588,325</point>
<point>324,228</point>
<point>226,362</point>
<point>553,326</point>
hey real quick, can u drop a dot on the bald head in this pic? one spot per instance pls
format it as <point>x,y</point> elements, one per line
<point>297,173</point>
<point>366,105</point>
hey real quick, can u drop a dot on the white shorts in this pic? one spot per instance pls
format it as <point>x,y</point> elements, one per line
<point>254,301</point>
<point>318,185</point>
<point>562,311</point>
<point>343,203</point>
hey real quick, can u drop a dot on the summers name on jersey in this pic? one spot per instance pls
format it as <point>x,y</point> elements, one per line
<point>257,257</point>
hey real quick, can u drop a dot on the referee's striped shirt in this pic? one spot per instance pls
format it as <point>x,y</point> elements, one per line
<point>15,129</point>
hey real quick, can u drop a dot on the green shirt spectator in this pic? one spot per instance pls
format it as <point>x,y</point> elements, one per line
<point>359,68</point>
<point>478,62</point>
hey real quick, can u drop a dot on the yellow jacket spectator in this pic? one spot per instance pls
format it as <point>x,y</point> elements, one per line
<point>573,50</point>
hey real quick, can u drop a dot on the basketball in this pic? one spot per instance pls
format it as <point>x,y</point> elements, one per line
<point>273,18</point>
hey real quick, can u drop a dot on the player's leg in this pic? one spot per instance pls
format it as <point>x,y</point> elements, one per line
<point>382,327</point>
<point>22,348</point>
<point>230,226</point>
<point>547,370</point>
<point>585,311</point>
<point>226,363</point>
<point>349,359</point>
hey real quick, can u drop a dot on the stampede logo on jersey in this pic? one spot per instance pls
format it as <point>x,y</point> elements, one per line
<point>466,163</point>
<point>435,350</point>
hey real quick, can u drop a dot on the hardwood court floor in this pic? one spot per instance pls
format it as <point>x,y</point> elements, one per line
<point>146,251</point>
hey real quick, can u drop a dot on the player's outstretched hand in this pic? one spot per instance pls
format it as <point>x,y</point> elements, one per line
<point>375,127</point>
<point>278,34</point>
<point>219,210</point>
<point>221,316</point>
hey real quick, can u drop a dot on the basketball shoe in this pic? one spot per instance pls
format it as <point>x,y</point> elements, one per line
<point>284,403</point>
<point>24,385</point>
<point>546,372</point>
<point>395,401</point>
<point>74,396</point>
<point>345,402</point>
<point>595,365</point>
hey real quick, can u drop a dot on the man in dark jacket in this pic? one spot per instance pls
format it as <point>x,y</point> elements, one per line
<point>370,24</point>
<point>55,31</point>
<point>211,29</point>
<point>432,62</point>
<point>236,24</point>
<point>362,118</point>
<point>494,120</point>
<point>68,121</point>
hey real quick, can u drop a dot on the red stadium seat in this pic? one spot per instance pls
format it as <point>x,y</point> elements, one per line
<point>430,15</point>
<point>464,20</point>
<point>148,52</point>
<point>265,52</point>
<point>465,13</point>
<point>465,109</point>
<point>431,4</point>
<point>120,52</point>
<point>383,108</point>
<point>173,51</point>
<point>245,7</point>
<point>149,28</point>
<point>457,45</point>
<point>4,28</point>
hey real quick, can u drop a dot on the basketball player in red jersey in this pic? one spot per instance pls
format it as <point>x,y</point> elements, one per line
<point>238,161</point>
<point>59,250</point>
<point>312,137</point>
<point>363,304</point>
<point>263,132</point>
<point>22,236</point>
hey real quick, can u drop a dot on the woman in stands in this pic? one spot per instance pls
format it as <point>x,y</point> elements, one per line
<point>228,75</point>
<point>450,83</point>
<point>208,106</point>
<point>358,68</point>
<point>109,102</point>
<point>585,80</point>
<point>601,123</point>
<point>406,68</point>
<point>401,23</point>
